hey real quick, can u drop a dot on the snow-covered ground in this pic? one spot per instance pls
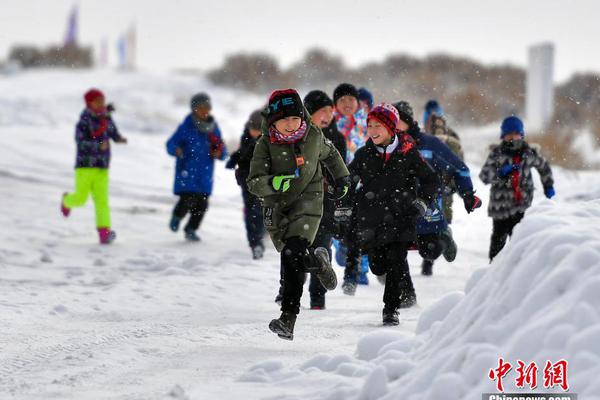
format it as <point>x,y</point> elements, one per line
<point>154,317</point>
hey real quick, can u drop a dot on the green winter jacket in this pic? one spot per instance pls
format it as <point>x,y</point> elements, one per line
<point>298,211</point>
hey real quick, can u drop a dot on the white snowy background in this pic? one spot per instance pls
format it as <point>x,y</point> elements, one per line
<point>154,317</point>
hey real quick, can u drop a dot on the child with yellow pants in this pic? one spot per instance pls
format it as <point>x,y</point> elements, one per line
<point>93,133</point>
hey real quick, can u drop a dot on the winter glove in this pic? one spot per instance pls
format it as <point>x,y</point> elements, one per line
<point>471,202</point>
<point>340,189</point>
<point>549,192</point>
<point>420,207</point>
<point>342,214</point>
<point>281,183</point>
<point>110,108</point>
<point>507,169</point>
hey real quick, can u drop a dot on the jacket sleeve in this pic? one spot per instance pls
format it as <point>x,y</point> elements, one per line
<point>429,183</point>
<point>542,166</point>
<point>332,159</point>
<point>447,162</point>
<point>176,141</point>
<point>217,133</point>
<point>233,160</point>
<point>85,143</point>
<point>489,172</point>
<point>113,132</point>
<point>260,176</point>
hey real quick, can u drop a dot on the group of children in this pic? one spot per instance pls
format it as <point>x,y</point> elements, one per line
<point>318,169</point>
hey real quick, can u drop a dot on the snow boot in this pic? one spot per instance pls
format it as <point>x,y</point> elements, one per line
<point>349,288</point>
<point>106,235</point>
<point>450,251</point>
<point>408,298</point>
<point>258,252</point>
<point>191,236</point>
<point>427,267</point>
<point>64,209</point>
<point>317,302</point>
<point>326,274</point>
<point>174,223</point>
<point>284,326</point>
<point>390,317</point>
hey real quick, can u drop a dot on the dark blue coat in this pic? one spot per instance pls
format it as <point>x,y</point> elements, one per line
<point>194,170</point>
<point>443,161</point>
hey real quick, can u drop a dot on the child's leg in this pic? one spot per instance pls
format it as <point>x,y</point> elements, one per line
<point>316,288</point>
<point>100,196</point>
<point>500,230</point>
<point>83,185</point>
<point>293,257</point>
<point>514,221</point>
<point>390,259</point>
<point>253,219</point>
<point>182,207</point>
<point>198,204</point>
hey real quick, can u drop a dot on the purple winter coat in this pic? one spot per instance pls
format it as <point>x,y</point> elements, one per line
<point>89,154</point>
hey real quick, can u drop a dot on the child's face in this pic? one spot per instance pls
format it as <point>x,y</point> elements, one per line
<point>365,106</point>
<point>347,105</point>
<point>254,133</point>
<point>202,112</point>
<point>97,105</point>
<point>288,125</point>
<point>323,116</point>
<point>512,136</point>
<point>378,132</point>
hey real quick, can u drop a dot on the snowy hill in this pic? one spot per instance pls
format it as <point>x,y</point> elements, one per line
<point>154,317</point>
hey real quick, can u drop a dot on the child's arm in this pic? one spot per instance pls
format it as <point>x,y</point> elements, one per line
<point>260,178</point>
<point>543,167</point>
<point>113,132</point>
<point>489,171</point>
<point>332,159</point>
<point>175,143</point>
<point>429,183</point>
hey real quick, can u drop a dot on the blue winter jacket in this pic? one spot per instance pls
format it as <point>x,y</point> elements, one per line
<point>194,169</point>
<point>443,161</point>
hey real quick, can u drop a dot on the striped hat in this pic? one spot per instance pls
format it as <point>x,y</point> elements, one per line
<point>387,115</point>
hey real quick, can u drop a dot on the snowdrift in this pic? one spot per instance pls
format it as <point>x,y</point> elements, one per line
<point>538,301</point>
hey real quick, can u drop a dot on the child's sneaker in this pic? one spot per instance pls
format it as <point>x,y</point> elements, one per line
<point>258,252</point>
<point>349,288</point>
<point>174,223</point>
<point>106,235</point>
<point>326,274</point>
<point>284,326</point>
<point>64,209</point>
<point>191,236</point>
<point>390,317</point>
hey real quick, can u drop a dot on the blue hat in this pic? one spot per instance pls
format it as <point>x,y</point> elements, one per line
<point>365,95</point>
<point>432,107</point>
<point>512,125</point>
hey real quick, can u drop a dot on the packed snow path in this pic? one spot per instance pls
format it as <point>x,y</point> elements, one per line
<point>152,316</point>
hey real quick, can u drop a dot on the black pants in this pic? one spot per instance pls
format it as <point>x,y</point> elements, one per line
<point>316,288</point>
<point>390,259</point>
<point>296,260</point>
<point>255,227</point>
<point>503,228</point>
<point>194,203</point>
<point>353,260</point>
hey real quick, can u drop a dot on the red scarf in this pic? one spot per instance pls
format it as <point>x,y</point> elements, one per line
<point>515,179</point>
<point>276,137</point>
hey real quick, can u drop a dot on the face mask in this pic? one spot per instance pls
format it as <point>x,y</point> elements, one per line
<point>516,144</point>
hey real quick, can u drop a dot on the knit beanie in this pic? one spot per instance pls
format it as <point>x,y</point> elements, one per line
<point>198,100</point>
<point>385,114</point>
<point>255,120</point>
<point>92,95</point>
<point>315,100</point>
<point>512,125</point>
<point>365,95</point>
<point>284,103</point>
<point>405,112</point>
<point>344,89</point>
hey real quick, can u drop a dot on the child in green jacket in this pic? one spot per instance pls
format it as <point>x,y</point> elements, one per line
<point>285,172</point>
